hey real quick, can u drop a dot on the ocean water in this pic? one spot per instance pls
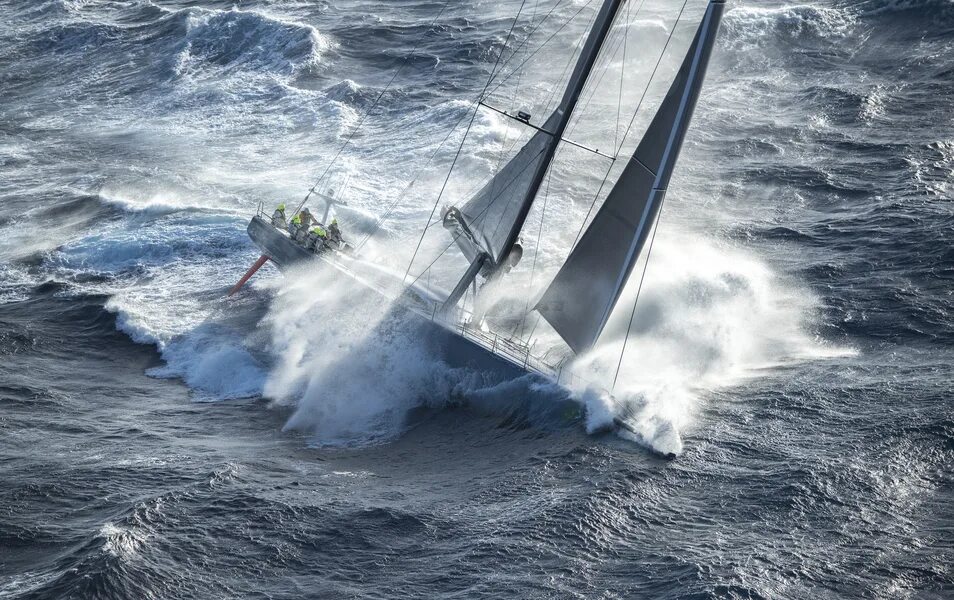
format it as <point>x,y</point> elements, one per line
<point>793,344</point>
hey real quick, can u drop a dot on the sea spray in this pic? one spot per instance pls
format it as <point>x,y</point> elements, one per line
<point>707,316</point>
<point>351,364</point>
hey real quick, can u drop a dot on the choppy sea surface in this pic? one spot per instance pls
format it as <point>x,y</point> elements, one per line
<point>793,343</point>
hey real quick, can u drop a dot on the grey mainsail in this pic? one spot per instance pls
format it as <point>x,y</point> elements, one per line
<point>580,299</point>
<point>491,221</point>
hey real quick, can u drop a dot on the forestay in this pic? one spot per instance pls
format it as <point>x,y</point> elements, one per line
<point>581,297</point>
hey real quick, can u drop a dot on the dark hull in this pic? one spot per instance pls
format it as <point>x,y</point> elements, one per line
<point>455,350</point>
<point>277,245</point>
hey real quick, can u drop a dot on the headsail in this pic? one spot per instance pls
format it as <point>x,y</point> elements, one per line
<point>581,297</point>
<point>490,222</point>
<point>488,217</point>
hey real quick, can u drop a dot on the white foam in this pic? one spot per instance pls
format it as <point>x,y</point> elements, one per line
<point>709,316</point>
<point>750,26</point>
<point>204,340</point>
<point>123,543</point>
<point>162,200</point>
<point>14,283</point>
<point>213,361</point>
<point>351,373</point>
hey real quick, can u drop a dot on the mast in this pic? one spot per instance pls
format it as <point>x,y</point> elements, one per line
<point>521,178</point>
<point>581,72</point>
<point>580,299</point>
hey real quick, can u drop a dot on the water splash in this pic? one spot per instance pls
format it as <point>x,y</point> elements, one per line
<point>351,365</point>
<point>708,317</point>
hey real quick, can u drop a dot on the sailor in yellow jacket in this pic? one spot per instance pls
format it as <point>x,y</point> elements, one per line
<point>304,221</point>
<point>333,231</point>
<point>317,238</point>
<point>295,225</point>
<point>278,217</point>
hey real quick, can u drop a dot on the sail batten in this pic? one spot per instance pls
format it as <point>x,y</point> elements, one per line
<point>580,299</point>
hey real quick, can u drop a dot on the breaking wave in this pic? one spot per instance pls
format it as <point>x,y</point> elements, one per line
<point>245,40</point>
<point>750,27</point>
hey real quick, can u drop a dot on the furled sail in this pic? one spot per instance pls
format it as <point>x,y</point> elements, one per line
<point>581,297</point>
<point>490,222</point>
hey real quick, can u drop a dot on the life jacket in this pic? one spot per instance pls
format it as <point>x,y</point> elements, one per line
<point>296,220</point>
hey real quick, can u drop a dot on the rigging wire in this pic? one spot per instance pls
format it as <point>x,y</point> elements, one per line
<point>433,262</point>
<point>430,159</point>
<point>653,74</point>
<point>397,198</point>
<point>616,153</point>
<point>622,72</point>
<point>461,146</point>
<point>553,92</point>
<point>632,315</point>
<point>503,144</point>
<point>605,58</point>
<point>536,253</point>
<point>509,59</point>
<point>370,109</point>
<point>457,236</point>
<point>486,208</point>
<point>527,39</point>
<point>572,126</point>
<point>571,60</point>
<point>652,239</point>
<point>545,42</point>
<point>549,100</point>
<point>633,119</point>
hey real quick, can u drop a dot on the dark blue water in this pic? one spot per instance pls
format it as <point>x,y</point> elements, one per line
<point>794,341</point>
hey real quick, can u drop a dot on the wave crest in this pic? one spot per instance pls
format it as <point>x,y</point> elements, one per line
<point>879,7</point>
<point>246,40</point>
<point>751,26</point>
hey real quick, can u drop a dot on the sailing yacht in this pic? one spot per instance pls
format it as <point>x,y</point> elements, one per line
<point>486,228</point>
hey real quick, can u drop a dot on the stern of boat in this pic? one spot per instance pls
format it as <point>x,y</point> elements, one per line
<point>275,243</point>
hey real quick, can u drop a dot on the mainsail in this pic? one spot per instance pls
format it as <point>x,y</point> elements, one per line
<point>581,297</point>
<point>490,222</point>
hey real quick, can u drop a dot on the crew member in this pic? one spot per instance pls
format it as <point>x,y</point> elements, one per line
<point>317,238</point>
<point>307,220</point>
<point>278,217</point>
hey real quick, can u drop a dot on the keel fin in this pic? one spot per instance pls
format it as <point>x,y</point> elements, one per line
<point>248,274</point>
